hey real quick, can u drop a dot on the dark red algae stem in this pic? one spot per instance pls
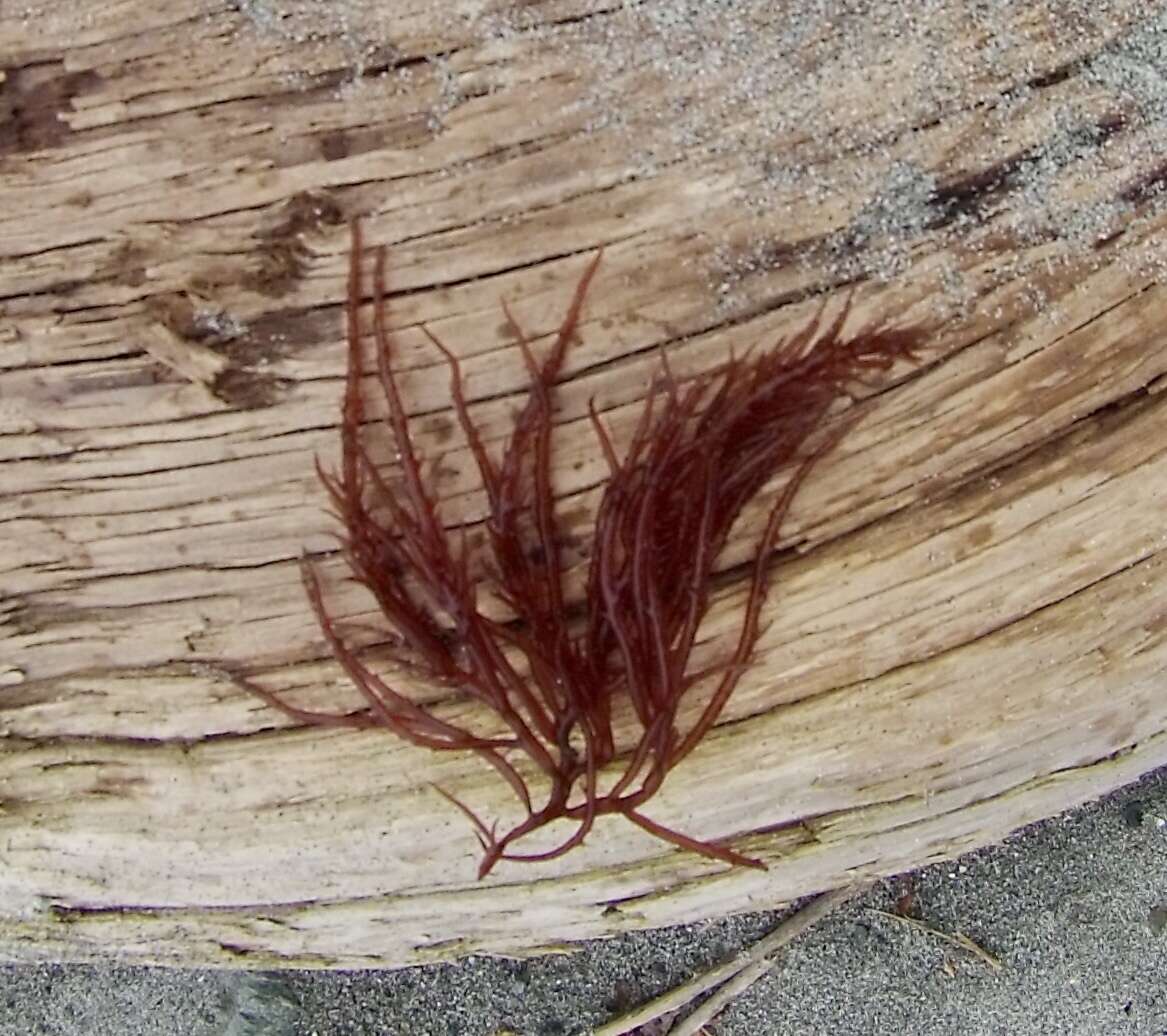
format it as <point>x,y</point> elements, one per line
<point>703,448</point>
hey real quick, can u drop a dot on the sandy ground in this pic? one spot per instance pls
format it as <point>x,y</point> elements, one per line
<point>1075,909</point>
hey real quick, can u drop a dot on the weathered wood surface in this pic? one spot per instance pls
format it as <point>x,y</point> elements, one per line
<point>968,628</point>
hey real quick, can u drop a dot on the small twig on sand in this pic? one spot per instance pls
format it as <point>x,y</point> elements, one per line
<point>745,969</point>
<point>959,940</point>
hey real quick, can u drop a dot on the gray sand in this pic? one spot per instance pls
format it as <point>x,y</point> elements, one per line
<point>760,89</point>
<point>1075,908</point>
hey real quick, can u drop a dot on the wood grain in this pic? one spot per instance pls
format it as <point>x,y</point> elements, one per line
<point>968,629</point>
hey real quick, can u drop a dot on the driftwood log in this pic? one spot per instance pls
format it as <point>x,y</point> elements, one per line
<point>968,626</point>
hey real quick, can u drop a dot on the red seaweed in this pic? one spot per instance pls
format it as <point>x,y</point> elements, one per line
<point>548,674</point>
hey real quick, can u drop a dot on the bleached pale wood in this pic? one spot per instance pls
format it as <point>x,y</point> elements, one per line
<point>970,634</point>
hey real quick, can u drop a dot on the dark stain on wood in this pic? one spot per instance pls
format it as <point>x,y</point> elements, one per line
<point>334,145</point>
<point>245,389</point>
<point>411,131</point>
<point>980,535</point>
<point>32,98</point>
<point>116,380</point>
<point>127,265</point>
<point>442,471</point>
<point>30,618</point>
<point>578,519</point>
<point>176,312</point>
<point>408,132</point>
<point>238,384</point>
<point>971,194</point>
<point>283,256</point>
<point>110,786</point>
<point>440,427</point>
<point>284,332</point>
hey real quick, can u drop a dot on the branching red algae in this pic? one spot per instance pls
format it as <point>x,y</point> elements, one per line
<point>703,448</point>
